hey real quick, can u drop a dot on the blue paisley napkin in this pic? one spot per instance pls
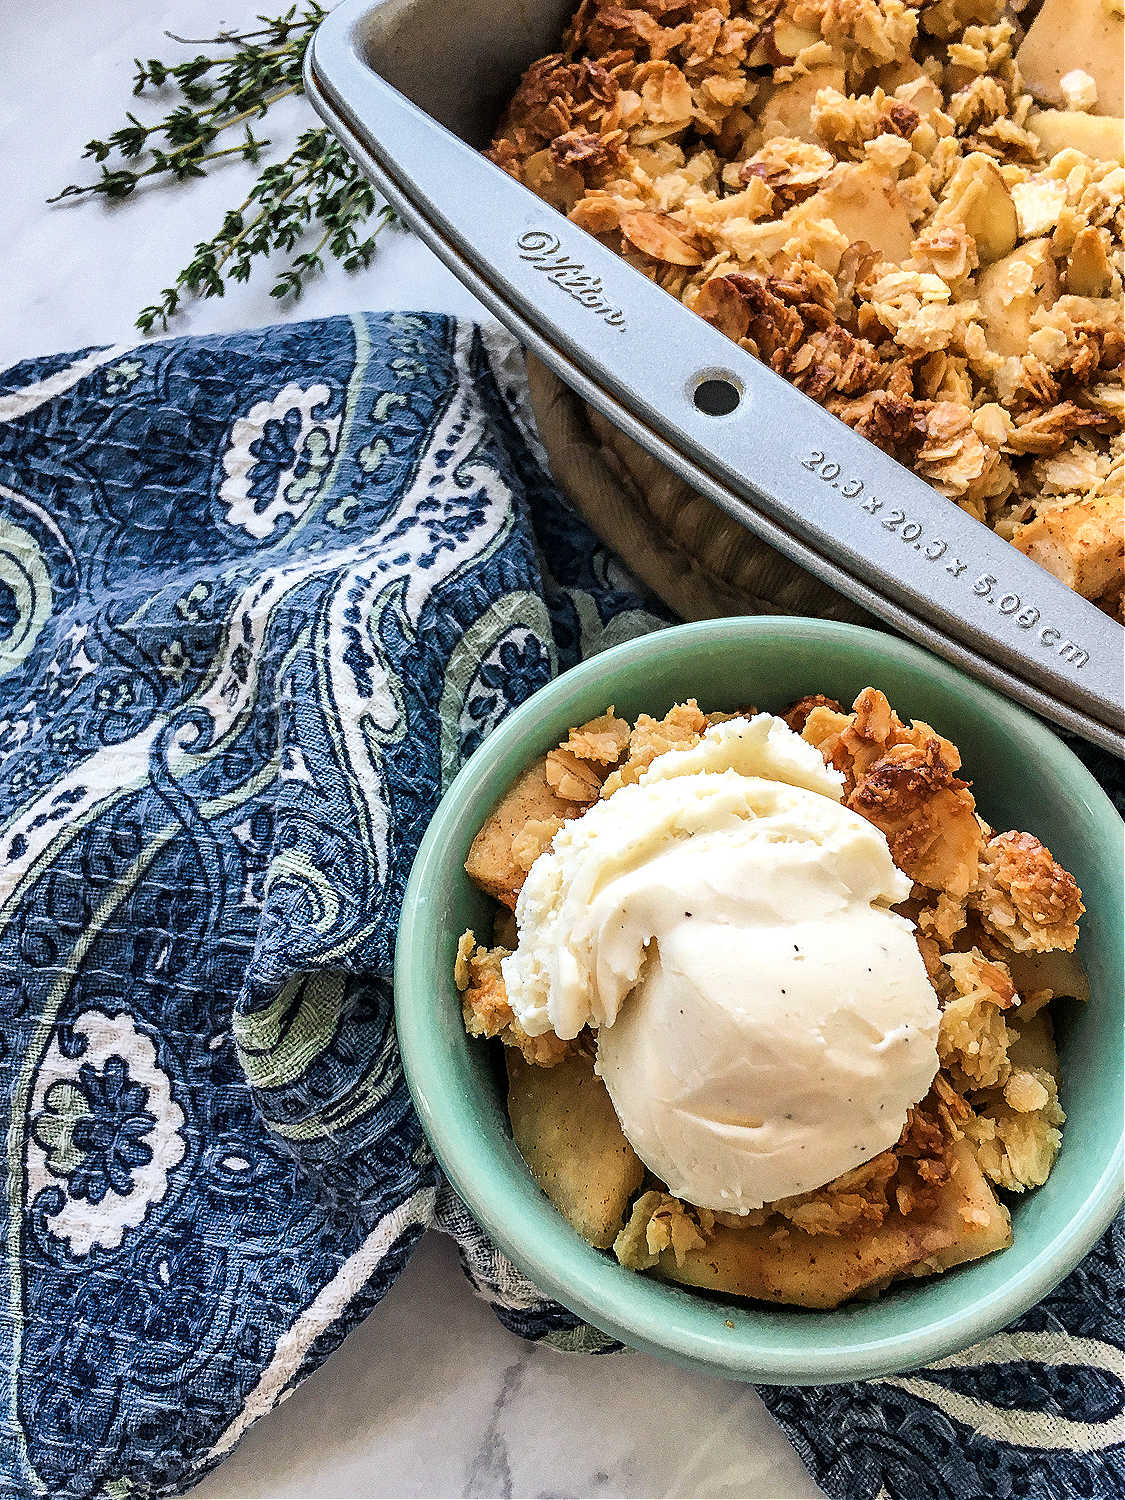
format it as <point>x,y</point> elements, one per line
<point>259,596</point>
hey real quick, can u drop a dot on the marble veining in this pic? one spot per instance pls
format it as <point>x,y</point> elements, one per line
<point>431,1396</point>
<point>490,1470</point>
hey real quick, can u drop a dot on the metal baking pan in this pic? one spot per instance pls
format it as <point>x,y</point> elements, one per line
<point>414,89</point>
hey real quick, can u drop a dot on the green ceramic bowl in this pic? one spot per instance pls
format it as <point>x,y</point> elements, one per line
<point>1023,776</point>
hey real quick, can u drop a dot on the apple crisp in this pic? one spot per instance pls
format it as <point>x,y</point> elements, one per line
<point>996,922</point>
<point>912,211</point>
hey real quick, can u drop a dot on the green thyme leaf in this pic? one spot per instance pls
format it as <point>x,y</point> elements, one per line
<point>315,187</point>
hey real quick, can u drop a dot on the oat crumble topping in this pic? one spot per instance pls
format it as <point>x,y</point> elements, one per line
<point>911,211</point>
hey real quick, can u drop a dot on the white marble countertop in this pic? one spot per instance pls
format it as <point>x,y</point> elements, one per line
<point>431,1396</point>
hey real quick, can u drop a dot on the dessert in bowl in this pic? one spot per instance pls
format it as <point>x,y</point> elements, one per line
<point>723,1201</point>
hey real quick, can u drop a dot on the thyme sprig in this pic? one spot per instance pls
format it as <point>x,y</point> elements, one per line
<point>315,186</point>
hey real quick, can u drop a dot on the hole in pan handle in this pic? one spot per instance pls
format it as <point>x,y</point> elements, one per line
<point>716,395</point>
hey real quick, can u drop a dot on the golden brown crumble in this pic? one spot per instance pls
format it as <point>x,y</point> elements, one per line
<point>659,1222</point>
<point>798,716</point>
<point>535,836</point>
<point>577,768</point>
<point>571,777</point>
<point>895,206</point>
<point>485,1008</point>
<point>1025,897</point>
<point>973,1039</point>
<point>603,739</point>
<point>1015,1133</point>
<point>680,728</point>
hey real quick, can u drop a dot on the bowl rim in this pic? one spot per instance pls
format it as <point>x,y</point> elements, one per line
<point>524,1225</point>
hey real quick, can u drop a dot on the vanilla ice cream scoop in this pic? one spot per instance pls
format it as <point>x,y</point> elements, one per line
<point>764,1020</point>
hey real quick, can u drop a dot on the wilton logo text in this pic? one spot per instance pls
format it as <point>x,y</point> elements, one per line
<point>544,251</point>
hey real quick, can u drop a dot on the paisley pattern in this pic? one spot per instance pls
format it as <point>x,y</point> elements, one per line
<point>105,1132</point>
<point>259,596</point>
<point>243,581</point>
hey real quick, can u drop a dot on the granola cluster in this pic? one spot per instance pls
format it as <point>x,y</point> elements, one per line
<point>996,918</point>
<point>913,211</point>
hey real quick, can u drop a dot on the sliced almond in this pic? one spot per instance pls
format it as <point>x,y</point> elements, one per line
<point>921,94</point>
<point>789,38</point>
<point>1088,273</point>
<point>723,306</point>
<point>663,238</point>
<point>978,196</point>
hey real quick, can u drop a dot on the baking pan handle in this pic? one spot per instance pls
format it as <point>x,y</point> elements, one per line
<point>759,436</point>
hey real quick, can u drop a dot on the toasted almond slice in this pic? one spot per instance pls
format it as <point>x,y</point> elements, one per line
<point>1011,290</point>
<point>660,236</point>
<point>789,38</point>
<point>978,197</point>
<point>1088,272</point>
<point>723,306</point>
